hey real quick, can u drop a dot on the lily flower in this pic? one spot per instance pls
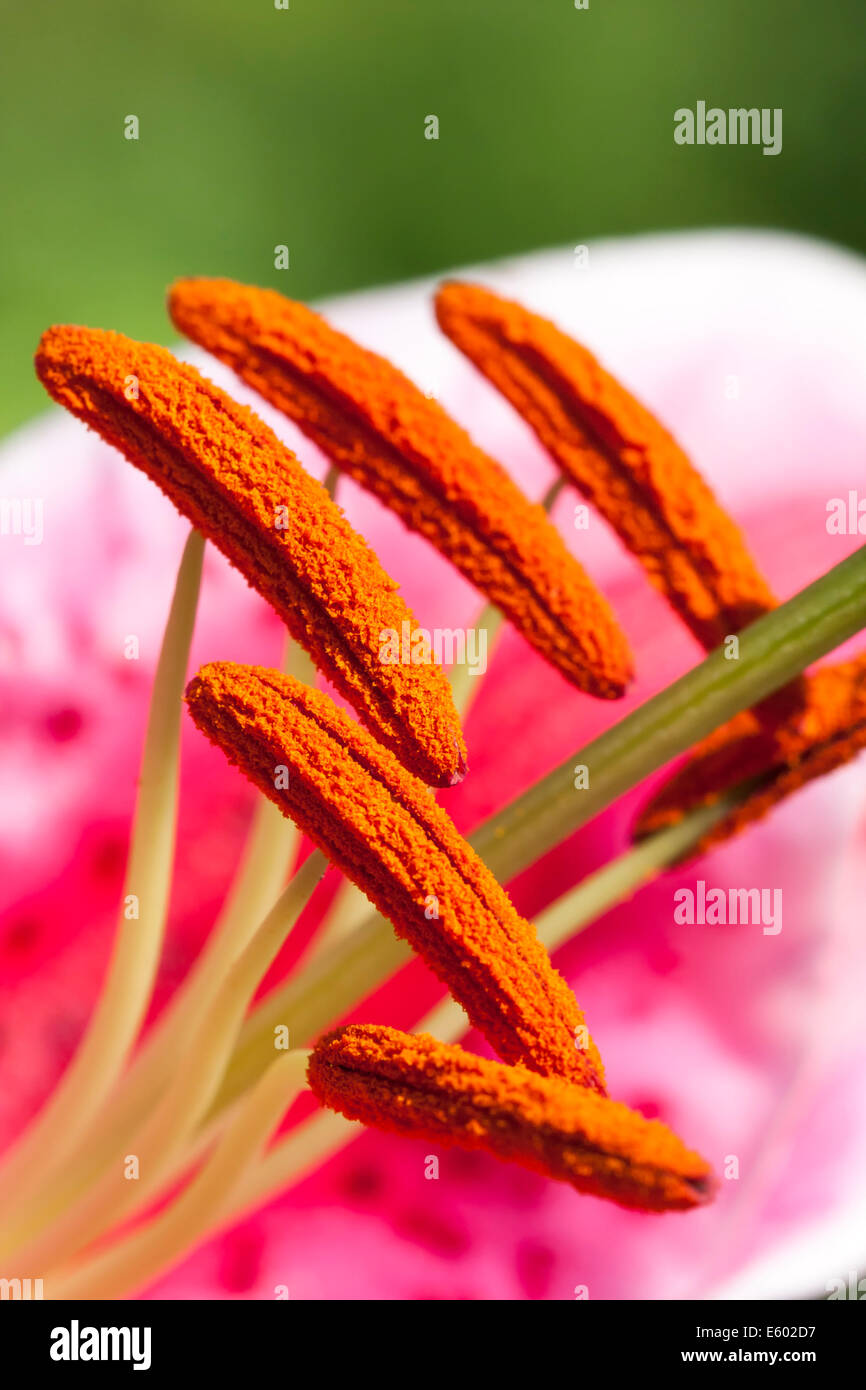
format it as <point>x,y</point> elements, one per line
<point>703,1027</point>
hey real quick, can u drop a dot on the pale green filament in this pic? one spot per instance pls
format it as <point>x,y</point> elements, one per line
<point>122,1004</point>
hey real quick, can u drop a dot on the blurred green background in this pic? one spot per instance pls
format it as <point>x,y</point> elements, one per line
<point>305,126</point>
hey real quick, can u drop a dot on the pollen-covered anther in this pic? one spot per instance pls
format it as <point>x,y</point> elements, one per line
<point>422,1088</point>
<point>226,471</point>
<point>619,456</point>
<point>378,427</point>
<point>384,830</point>
<point>827,732</point>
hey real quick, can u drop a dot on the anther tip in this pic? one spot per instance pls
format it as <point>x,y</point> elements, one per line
<point>701,1190</point>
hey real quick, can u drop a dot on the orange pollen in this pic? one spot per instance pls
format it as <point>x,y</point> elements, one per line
<point>384,830</point>
<point>618,455</point>
<point>422,1088</point>
<point>244,490</point>
<point>376,426</point>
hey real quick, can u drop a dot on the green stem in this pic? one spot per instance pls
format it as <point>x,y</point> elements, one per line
<point>772,650</point>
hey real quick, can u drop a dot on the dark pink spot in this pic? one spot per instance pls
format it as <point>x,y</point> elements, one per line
<point>662,958</point>
<point>241,1260</point>
<point>64,1035</point>
<point>649,1108</point>
<point>22,935</point>
<point>64,724</point>
<point>362,1183</point>
<point>534,1268</point>
<point>108,857</point>
<point>427,1228</point>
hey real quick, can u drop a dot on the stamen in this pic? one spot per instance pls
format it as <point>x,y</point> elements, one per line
<point>225,470</point>
<point>423,1088</point>
<point>379,428</point>
<point>387,834</point>
<point>618,455</point>
<point>829,732</point>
